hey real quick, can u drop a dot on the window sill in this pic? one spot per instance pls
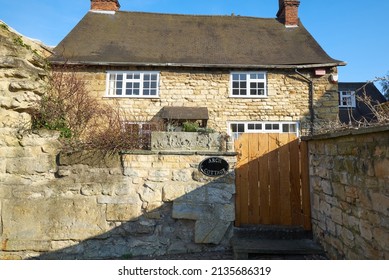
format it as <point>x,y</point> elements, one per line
<point>248,97</point>
<point>132,97</point>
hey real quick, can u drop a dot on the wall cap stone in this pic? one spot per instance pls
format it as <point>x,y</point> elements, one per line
<point>179,153</point>
<point>348,132</point>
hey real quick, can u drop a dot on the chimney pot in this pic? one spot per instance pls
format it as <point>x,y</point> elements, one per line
<point>105,5</point>
<point>288,12</point>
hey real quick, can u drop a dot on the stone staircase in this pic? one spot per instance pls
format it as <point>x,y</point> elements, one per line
<point>274,242</point>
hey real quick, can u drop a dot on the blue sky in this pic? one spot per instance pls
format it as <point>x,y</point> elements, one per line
<point>355,31</point>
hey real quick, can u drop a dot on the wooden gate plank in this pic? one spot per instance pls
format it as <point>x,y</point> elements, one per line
<point>253,194</point>
<point>284,170</point>
<point>263,170</point>
<point>274,179</point>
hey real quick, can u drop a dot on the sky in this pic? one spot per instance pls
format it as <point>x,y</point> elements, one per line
<point>354,31</point>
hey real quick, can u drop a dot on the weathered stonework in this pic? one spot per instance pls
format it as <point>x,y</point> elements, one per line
<point>288,96</point>
<point>135,204</point>
<point>350,189</point>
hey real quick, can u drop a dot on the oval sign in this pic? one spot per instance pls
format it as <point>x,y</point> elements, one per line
<point>214,167</point>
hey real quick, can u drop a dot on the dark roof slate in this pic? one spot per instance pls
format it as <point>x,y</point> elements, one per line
<point>134,38</point>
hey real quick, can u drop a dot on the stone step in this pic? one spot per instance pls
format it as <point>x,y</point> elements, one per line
<point>242,247</point>
<point>272,232</point>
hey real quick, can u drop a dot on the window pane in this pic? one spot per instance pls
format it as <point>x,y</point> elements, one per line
<point>153,85</point>
<point>153,92</point>
<point>243,92</point>
<point>251,126</point>
<point>234,127</point>
<point>285,128</point>
<point>268,126</point>
<point>235,85</point>
<point>258,126</point>
<point>129,92</point>
<point>146,92</point>
<point>235,92</point>
<point>137,76</point>
<point>276,126</point>
<point>241,127</point>
<point>136,91</point>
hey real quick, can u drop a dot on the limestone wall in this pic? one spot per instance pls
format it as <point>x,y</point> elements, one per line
<point>350,193</point>
<point>288,98</point>
<point>99,207</point>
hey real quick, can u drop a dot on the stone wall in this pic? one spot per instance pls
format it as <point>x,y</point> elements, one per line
<point>288,96</point>
<point>98,207</point>
<point>350,193</point>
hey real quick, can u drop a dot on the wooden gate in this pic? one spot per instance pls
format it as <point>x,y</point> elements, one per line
<point>272,180</point>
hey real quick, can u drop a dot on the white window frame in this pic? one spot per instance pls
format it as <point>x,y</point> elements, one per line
<point>111,85</point>
<point>263,127</point>
<point>349,96</point>
<point>249,80</point>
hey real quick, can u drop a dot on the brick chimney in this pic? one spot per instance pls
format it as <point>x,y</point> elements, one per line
<point>288,12</point>
<point>105,5</point>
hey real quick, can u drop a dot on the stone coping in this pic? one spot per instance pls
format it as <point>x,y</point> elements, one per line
<point>178,153</point>
<point>347,132</point>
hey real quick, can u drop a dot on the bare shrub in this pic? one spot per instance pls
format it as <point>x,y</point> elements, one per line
<point>379,114</point>
<point>83,120</point>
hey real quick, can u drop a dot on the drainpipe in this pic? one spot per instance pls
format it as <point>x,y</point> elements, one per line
<point>311,112</point>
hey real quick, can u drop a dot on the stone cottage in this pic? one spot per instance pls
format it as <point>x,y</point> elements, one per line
<point>233,74</point>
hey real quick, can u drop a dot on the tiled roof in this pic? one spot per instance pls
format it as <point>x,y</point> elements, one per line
<point>133,38</point>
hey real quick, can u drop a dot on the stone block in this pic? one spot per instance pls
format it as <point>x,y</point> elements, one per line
<point>192,211</point>
<point>26,245</point>
<point>91,158</point>
<point>159,175</point>
<point>216,195</point>
<point>75,219</point>
<point>173,191</point>
<point>380,202</point>
<point>123,212</point>
<point>210,231</point>
<point>365,228</point>
<point>225,212</point>
<point>183,175</point>
<point>30,166</point>
<point>326,187</point>
<point>381,168</point>
<point>106,199</point>
<point>92,189</point>
<point>336,215</point>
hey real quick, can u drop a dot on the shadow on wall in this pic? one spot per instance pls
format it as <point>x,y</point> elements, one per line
<point>124,215</point>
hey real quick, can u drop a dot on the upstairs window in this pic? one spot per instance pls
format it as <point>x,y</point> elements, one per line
<point>248,84</point>
<point>133,84</point>
<point>347,99</point>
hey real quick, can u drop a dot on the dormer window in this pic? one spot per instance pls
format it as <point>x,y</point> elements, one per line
<point>133,84</point>
<point>347,99</point>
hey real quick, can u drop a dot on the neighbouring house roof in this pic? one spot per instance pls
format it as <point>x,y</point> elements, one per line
<point>135,38</point>
<point>184,113</point>
<point>361,111</point>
